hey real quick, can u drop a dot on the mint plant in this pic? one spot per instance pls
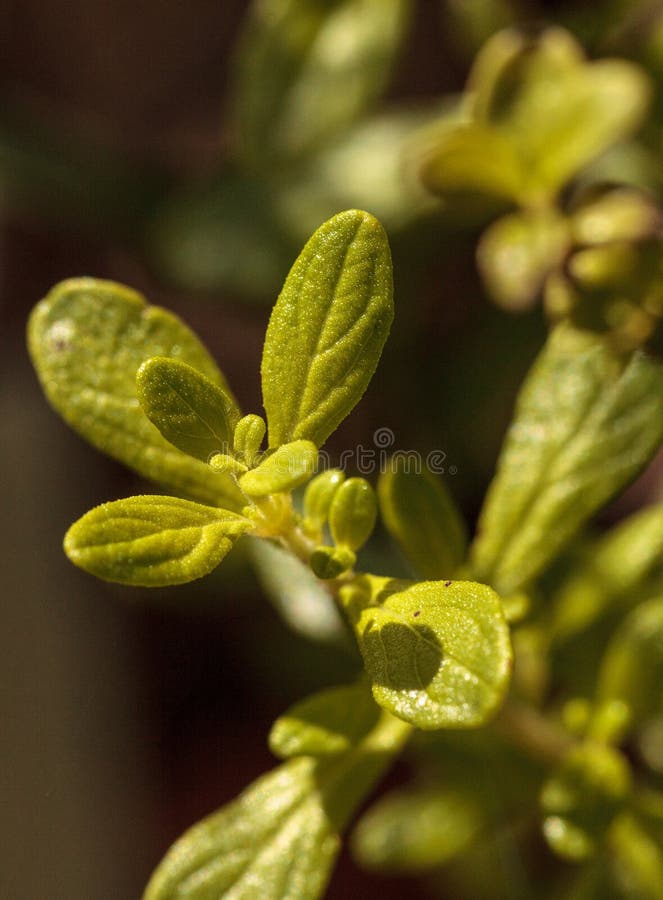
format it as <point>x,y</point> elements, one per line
<point>468,667</point>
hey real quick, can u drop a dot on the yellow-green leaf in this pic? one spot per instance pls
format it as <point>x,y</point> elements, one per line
<point>437,652</point>
<point>613,567</point>
<point>352,513</point>
<point>327,329</point>
<point>518,252</point>
<point>287,467</point>
<point>326,724</point>
<point>473,159</point>
<point>558,111</point>
<point>152,541</point>
<point>417,828</point>
<point>279,839</point>
<point>190,411</point>
<point>632,668</point>
<point>421,516</point>
<point>87,339</point>
<point>587,421</point>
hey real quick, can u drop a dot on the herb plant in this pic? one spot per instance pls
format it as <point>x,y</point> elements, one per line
<point>437,653</point>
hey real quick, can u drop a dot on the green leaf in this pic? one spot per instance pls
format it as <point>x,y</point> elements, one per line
<point>473,159</point>
<point>617,214</point>
<point>152,541</point>
<point>352,513</point>
<point>87,339</point>
<point>326,724</point>
<point>637,859</point>
<point>307,69</point>
<point>248,437</point>
<point>438,653</point>
<point>190,411</point>
<point>518,252</point>
<point>287,467</point>
<point>416,829</point>
<point>615,566</point>
<point>330,562</point>
<point>278,840</point>
<point>327,329</point>
<point>632,668</point>
<point>582,797</point>
<point>558,111</point>
<point>319,495</point>
<point>421,516</point>
<point>586,422</point>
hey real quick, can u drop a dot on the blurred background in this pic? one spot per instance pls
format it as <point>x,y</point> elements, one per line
<point>142,143</point>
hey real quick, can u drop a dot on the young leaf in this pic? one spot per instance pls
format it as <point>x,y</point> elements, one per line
<point>637,859</point>
<point>586,422</point>
<point>438,653</point>
<point>330,562</point>
<point>473,158</point>
<point>319,495</point>
<point>518,252</point>
<point>248,436</point>
<point>352,513</point>
<point>326,724</point>
<point>287,468</point>
<point>421,516</point>
<point>416,829</point>
<point>295,88</point>
<point>615,566</point>
<point>87,339</point>
<point>327,329</point>
<point>632,667</point>
<point>558,110</point>
<point>190,411</point>
<point>278,840</point>
<point>152,541</point>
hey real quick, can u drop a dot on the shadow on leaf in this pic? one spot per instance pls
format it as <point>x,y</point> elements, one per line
<point>401,657</point>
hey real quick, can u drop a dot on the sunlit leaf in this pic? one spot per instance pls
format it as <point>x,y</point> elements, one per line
<point>288,467</point>
<point>191,412</point>
<point>326,724</point>
<point>152,540</point>
<point>87,339</point>
<point>352,513</point>
<point>279,839</point>
<point>327,329</point>
<point>586,422</point>
<point>437,652</point>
